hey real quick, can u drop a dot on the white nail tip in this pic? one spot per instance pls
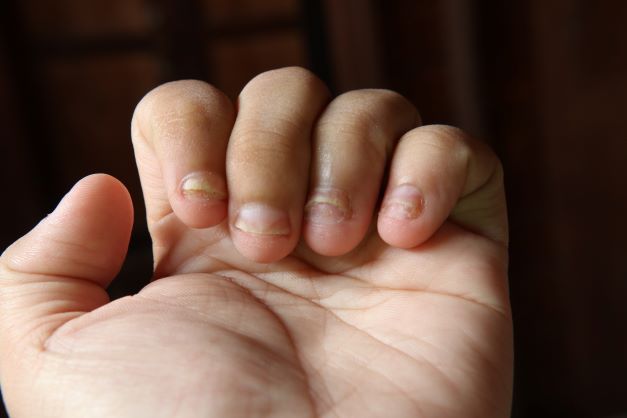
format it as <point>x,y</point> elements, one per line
<point>260,219</point>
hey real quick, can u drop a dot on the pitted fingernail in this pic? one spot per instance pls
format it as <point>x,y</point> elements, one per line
<point>405,202</point>
<point>261,219</point>
<point>328,206</point>
<point>203,186</point>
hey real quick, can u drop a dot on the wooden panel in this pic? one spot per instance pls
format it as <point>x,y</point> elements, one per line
<point>584,124</point>
<point>92,100</point>
<point>235,61</point>
<point>222,12</point>
<point>22,200</point>
<point>354,48</point>
<point>86,18</point>
<point>415,56</point>
<point>551,93</point>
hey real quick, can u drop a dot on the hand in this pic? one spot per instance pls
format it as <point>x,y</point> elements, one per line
<point>280,291</point>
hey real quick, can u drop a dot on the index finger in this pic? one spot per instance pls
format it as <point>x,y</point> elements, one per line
<point>180,132</point>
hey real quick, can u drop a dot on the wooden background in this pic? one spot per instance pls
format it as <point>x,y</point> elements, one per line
<point>545,83</point>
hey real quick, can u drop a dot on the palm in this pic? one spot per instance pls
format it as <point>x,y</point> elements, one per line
<point>388,331</point>
<point>380,331</point>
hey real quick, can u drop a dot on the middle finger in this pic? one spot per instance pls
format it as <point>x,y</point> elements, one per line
<point>268,161</point>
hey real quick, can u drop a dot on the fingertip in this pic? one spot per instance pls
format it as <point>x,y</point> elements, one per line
<point>99,195</point>
<point>404,220</point>
<point>200,200</point>
<point>328,242</point>
<point>334,240</point>
<point>401,233</point>
<point>200,215</point>
<point>330,228</point>
<point>96,216</point>
<point>262,249</point>
<point>264,233</point>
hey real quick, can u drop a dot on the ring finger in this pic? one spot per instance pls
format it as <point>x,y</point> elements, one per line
<point>353,140</point>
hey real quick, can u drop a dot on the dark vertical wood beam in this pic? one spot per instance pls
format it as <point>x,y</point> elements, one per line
<point>23,70</point>
<point>509,88</point>
<point>315,25</point>
<point>182,40</point>
<point>460,41</point>
<point>355,44</point>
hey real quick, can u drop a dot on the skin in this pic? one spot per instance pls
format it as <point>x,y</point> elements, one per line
<point>341,307</point>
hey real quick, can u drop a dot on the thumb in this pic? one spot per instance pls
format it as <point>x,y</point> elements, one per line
<point>60,269</point>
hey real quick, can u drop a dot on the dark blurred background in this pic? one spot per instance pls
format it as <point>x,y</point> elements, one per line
<point>544,82</point>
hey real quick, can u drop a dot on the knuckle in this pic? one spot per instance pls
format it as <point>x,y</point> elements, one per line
<point>177,105</point>
<point>370,97</point>
<point>354,130</point>
<point>448,140</point>
<point>457,145</point>
<point>350,121</point>
<point>259,147</point>
<point>257,136</point>
<point>378,102</point>
<point>279,128</point>
<point>176,94</point>
<point>287,77</point>
<point>363,95</point>
<point>282,74</point>
<point>378,117</point>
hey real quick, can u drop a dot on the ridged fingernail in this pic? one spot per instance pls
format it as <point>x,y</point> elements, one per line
<point>203,186</point>
<point>403,203</point>
<point>328,206</point>
<point>261,219</point>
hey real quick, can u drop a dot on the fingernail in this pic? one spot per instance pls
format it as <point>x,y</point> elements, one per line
<point>328,206</point>
<point>404,202</point>
<point>203,186</point>
<point>261,219</point>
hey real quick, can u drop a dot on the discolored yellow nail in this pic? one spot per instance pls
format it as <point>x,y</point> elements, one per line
<point>203,186</point>
<point>328,206</point>
<point>404,202</point>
